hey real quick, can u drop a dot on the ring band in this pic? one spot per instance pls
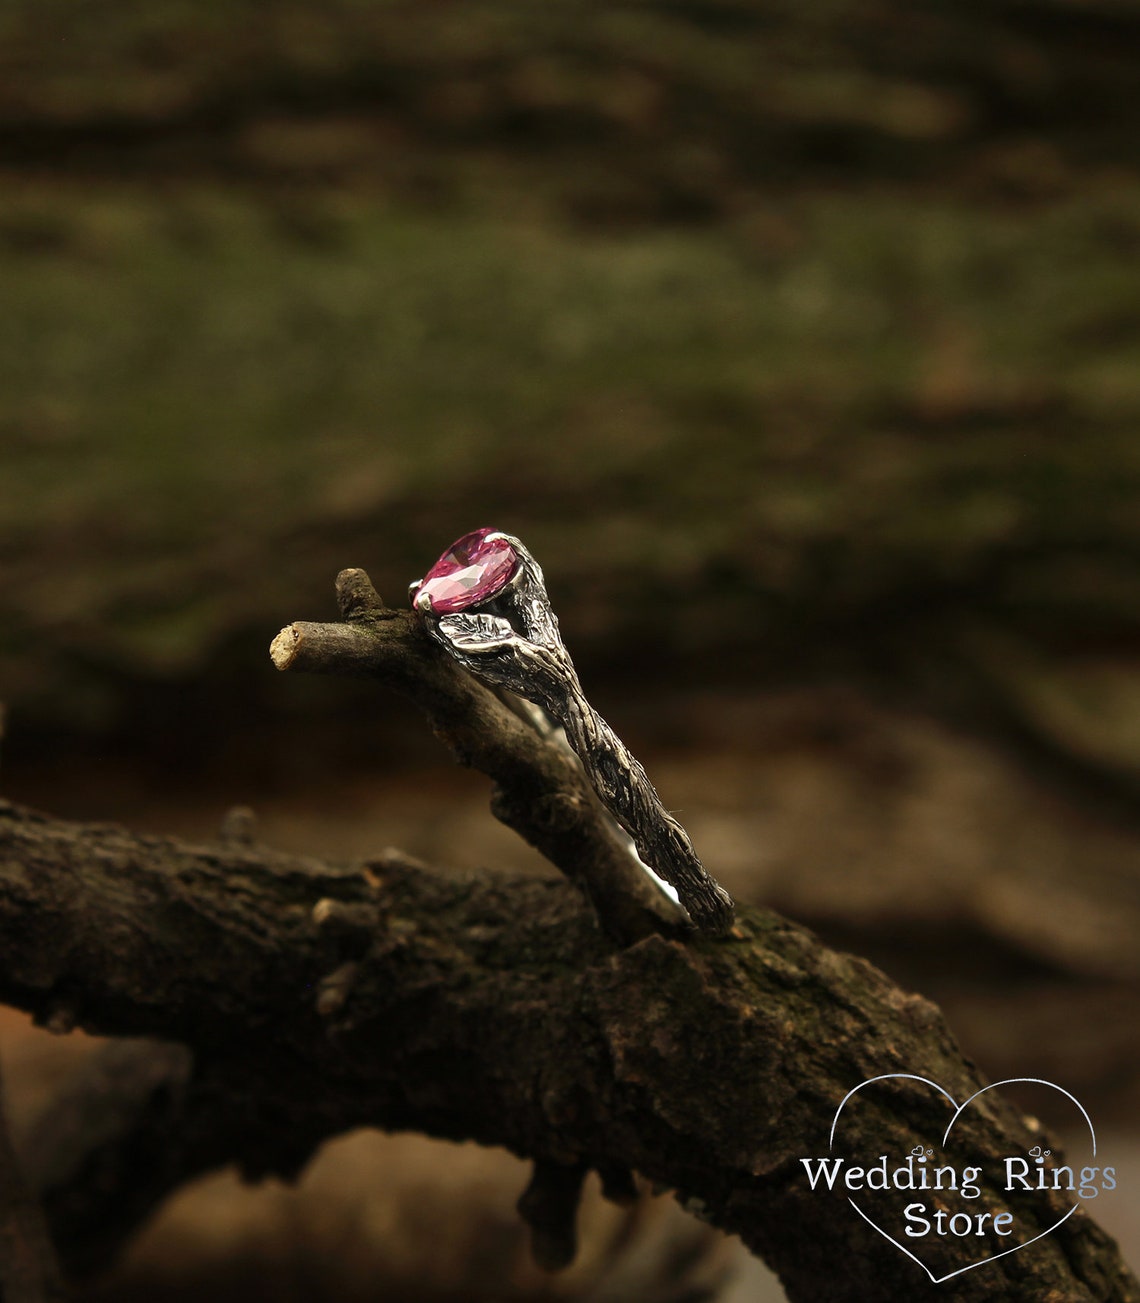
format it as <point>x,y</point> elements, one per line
<point>485,602</point>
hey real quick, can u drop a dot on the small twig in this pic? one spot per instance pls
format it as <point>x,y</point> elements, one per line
<point>540,790</point>
<point>239,826</point>
<point>355,595</point>
<point>549,1206</point>
<point>618,1185</point>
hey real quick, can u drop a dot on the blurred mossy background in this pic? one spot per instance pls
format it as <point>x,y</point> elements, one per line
<point>791,337</point>
<point>800,342</point>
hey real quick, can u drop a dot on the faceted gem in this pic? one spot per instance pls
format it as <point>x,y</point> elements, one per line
<point>469,572</point>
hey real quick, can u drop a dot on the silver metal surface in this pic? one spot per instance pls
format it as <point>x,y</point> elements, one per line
<point>511,642</point>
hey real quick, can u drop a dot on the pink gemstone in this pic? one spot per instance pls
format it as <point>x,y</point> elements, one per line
<point>469,572</point>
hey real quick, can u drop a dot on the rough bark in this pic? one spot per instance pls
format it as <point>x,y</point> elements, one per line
<point>296,1000</point>
<point>497,1011</point>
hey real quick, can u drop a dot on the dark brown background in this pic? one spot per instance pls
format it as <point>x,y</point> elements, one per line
<point>800,343</point>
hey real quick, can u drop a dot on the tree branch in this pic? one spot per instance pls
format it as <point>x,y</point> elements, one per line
<point>313,999</point>
<point>496,1011</point>
<point>540,789</point>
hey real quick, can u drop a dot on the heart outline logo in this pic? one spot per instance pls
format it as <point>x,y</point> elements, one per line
<point>958,1110</point>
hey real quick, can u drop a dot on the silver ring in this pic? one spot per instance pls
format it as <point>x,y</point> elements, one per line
<point>485,602</point>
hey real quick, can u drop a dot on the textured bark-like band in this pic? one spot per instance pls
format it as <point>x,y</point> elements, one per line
<point>511,641</point>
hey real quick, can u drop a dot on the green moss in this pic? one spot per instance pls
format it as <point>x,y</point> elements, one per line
<point>652,286</point>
